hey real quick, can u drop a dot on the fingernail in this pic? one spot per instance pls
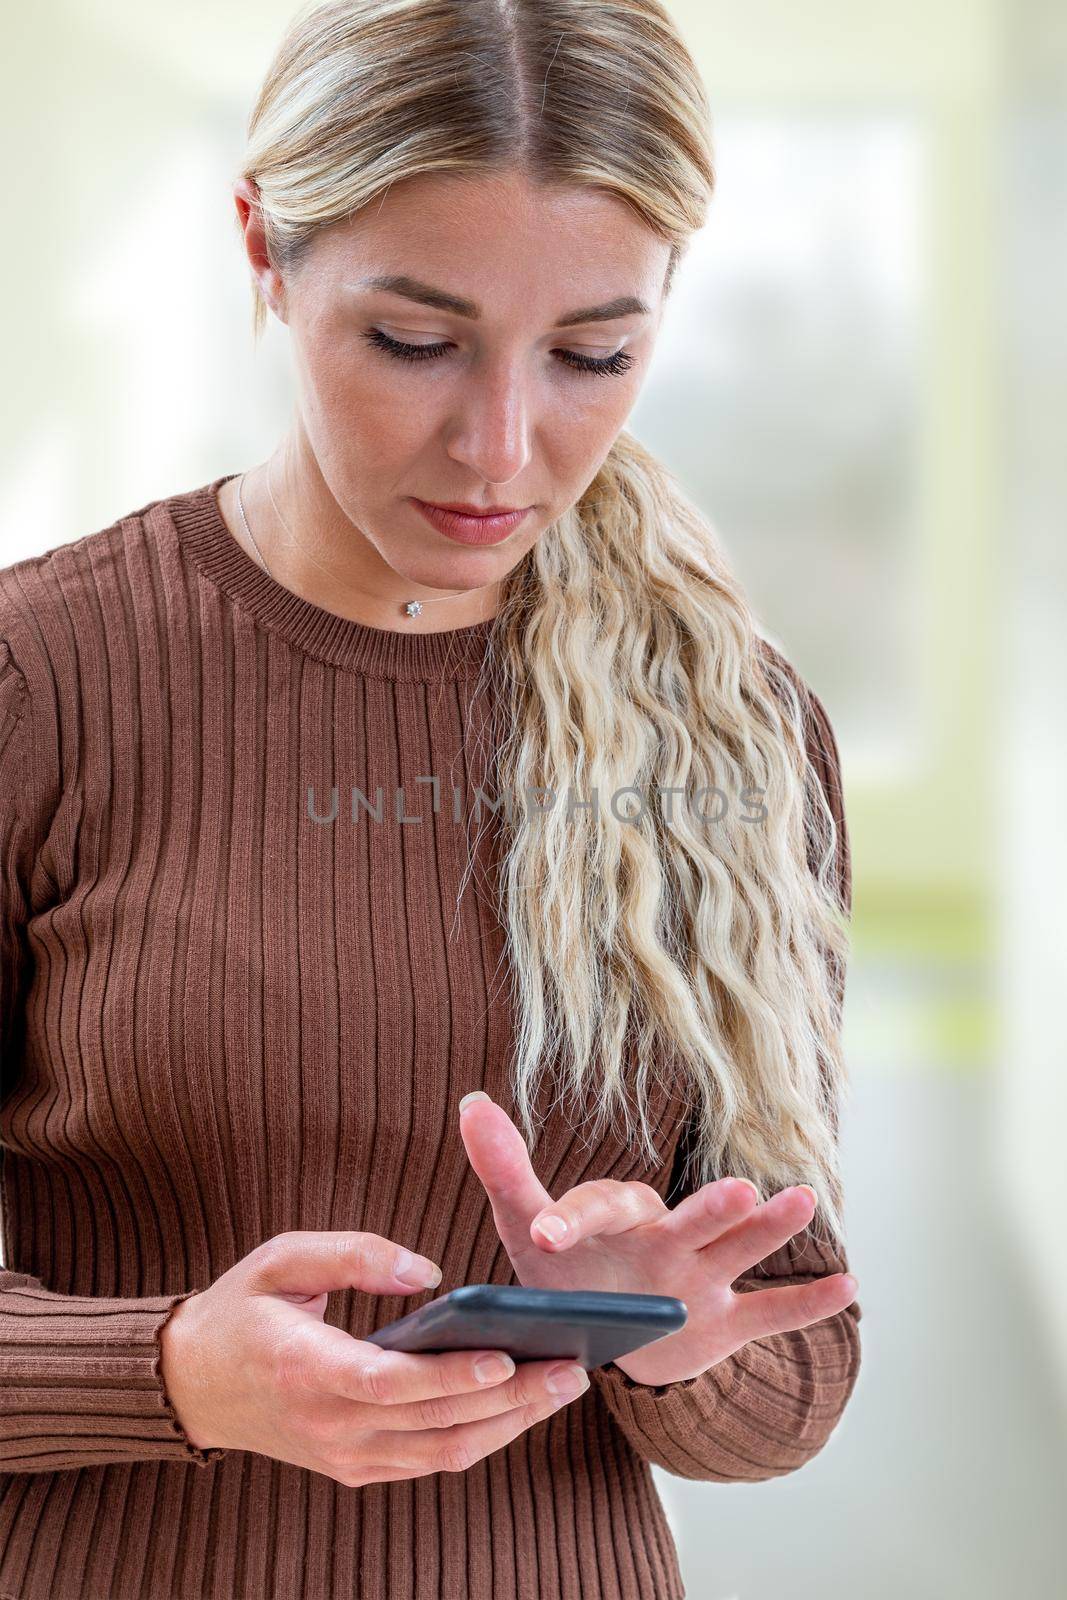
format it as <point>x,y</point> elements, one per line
<point>805,1188</point>
<point>475,1094</point>
<point>553,1228</point>
<point>751,1185</point>
<point>493,1369</point>
<point>416,1274</point>
<point>567,1380</point>
<point>848,1283</point>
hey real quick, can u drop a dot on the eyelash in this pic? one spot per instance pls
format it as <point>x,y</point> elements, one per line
<point>609,365</point>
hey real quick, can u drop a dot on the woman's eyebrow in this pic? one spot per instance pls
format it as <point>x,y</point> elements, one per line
<point>624,305</point>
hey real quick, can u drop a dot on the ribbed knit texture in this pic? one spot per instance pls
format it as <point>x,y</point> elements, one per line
<point>221,1019</point>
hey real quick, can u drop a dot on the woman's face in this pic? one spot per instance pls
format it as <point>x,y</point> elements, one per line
<point>498,412</point>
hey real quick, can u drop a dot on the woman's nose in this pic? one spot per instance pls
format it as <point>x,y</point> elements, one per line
<point>492,433</point>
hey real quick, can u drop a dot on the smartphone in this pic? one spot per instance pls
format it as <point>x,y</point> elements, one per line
<point>587,1326</point>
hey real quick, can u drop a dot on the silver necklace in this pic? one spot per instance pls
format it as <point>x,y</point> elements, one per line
<point>412,608</point>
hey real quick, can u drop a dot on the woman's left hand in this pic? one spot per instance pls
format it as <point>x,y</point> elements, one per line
<point>621,1238</point>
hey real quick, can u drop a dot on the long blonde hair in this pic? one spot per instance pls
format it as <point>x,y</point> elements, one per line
<point>625,655</point>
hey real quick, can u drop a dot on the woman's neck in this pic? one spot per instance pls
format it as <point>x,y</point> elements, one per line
<point>337,569</point>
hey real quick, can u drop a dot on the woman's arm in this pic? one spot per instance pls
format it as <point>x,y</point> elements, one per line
<point>80,1380</point>
<point>773,1404</point>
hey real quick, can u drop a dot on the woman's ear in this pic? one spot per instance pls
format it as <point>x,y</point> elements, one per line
<point>269,280</point>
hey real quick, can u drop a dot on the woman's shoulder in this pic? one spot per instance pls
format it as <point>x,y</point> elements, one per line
<point>823,751</point>
<point>51,601</point>
<point>779,669</point>
<point>76,624</point>
<point>818,729</point>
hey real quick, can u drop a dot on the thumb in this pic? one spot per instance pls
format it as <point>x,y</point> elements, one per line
<point>303,1266</point>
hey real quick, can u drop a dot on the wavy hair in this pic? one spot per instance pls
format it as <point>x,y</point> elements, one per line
<point>624,656</point>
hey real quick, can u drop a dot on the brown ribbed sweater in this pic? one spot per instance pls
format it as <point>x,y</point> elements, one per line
<point>221,1019</point>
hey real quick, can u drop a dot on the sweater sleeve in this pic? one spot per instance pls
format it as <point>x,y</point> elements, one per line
<point>771,1406</point>
<point>80,1377</point>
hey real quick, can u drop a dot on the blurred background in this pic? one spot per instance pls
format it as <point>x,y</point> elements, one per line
<point>863,381</point>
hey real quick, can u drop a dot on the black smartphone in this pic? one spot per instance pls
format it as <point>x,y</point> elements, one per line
<point>587,1326</point>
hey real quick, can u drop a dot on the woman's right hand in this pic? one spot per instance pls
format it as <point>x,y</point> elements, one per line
<point>249,1364</point>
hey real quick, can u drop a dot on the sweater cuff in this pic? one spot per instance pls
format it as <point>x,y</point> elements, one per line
<point>613,1380</point>
<point>670,1424</point>
<point>81,1381</point>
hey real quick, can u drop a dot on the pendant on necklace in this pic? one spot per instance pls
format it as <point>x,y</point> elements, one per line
<point>413,608</point>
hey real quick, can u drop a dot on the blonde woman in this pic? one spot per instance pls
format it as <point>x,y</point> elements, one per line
<point>407,841</point>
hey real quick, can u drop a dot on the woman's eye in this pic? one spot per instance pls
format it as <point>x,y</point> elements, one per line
<point>404,352</point>
<point>617,363</point>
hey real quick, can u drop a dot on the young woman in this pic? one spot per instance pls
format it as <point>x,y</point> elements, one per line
<point>434,762</point>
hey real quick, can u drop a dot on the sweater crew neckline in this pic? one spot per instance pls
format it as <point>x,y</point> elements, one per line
<point>341,641</point>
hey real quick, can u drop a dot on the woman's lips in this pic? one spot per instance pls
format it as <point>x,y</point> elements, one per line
<point>470,530</point>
